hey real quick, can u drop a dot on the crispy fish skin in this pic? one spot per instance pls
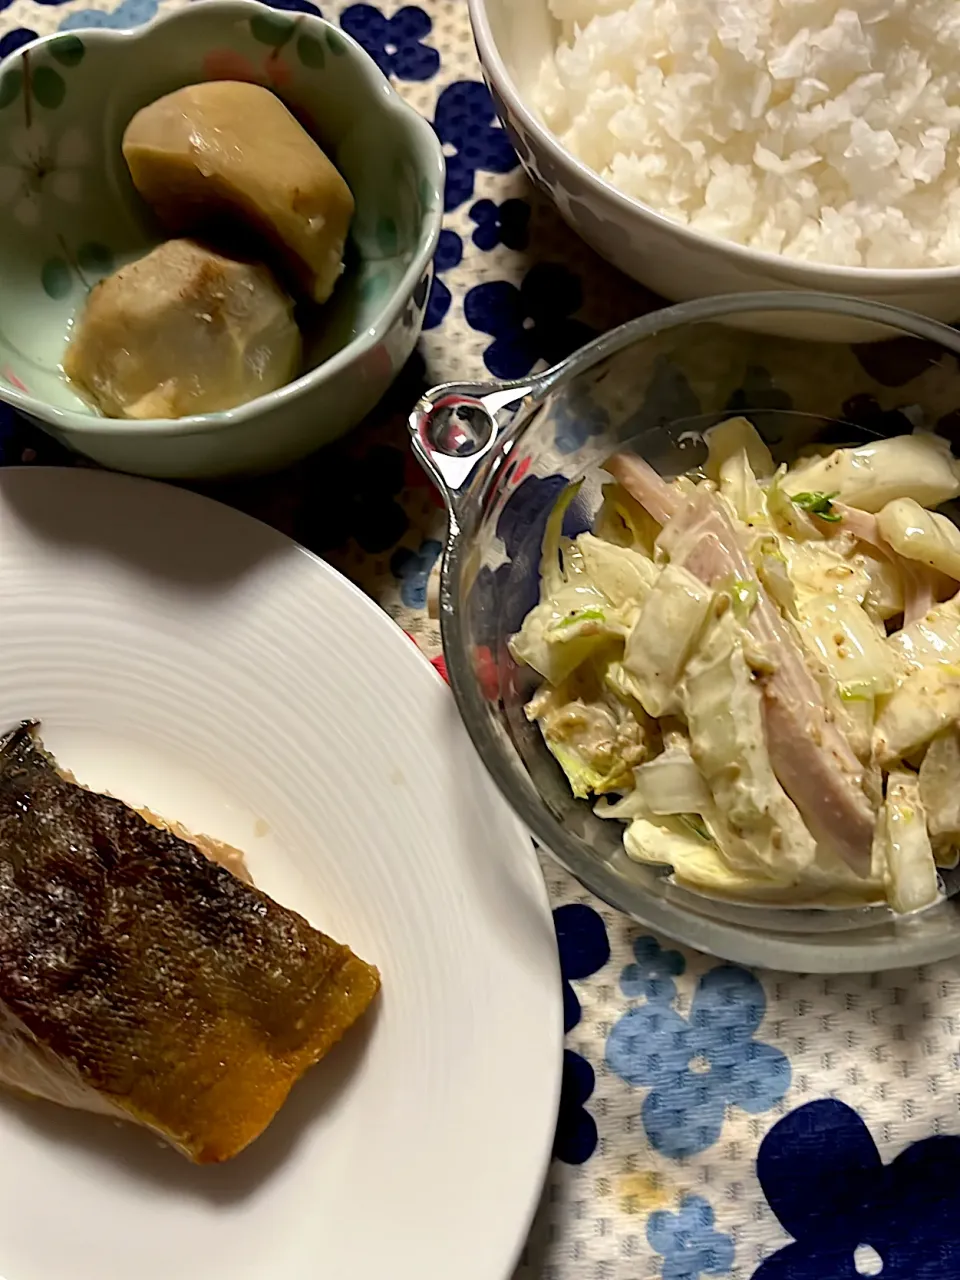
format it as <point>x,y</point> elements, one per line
<point>164,988</point>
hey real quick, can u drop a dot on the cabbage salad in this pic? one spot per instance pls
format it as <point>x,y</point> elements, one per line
<point>757,669</point>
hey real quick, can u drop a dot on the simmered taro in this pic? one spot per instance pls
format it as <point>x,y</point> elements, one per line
<point>213,154</point>
<point>183,331</point>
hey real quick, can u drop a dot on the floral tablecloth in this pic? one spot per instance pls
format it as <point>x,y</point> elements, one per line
<point>714,1122</point>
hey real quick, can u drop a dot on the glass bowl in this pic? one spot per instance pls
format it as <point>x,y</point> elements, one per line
<point>501,453</point>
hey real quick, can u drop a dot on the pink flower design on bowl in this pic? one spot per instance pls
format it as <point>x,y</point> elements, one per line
<point>227,64</point>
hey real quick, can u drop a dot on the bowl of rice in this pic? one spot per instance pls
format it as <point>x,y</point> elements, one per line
<point>713,146</point>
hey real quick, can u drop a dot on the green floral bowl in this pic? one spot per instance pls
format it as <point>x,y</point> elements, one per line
<point>69,214</point>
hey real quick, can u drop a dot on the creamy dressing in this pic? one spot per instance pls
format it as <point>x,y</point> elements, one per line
<point>755,661</point>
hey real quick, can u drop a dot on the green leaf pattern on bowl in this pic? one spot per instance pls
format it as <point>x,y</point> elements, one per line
<point>56,278</point>
<point>41,85</point>
<point>49,87</point>
<point>388,237</point>
<point>41,166</point>
<point>10,88</point>
<point>91,262</point>
<point>277,32</point>
<point>68,50</point>
<point>375,285</point>
<point>311,52</point>
<point>338,46</point>
<point>268,29</point>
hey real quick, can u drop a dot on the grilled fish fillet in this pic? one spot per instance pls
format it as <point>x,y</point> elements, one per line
<point>141,980</point>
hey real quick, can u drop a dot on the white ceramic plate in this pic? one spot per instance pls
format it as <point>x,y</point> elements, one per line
<point>190,659</point>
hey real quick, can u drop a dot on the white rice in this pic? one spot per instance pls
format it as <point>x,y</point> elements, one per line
<point>800,127</point>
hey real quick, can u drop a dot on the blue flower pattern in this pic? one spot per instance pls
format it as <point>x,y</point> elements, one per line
<point>652,972</point>
<point>15,39</point>
<point>578,418</point>
<point>507,224</point>
<point>295,6</point>
<point>688,1242</point>
<point>412,569</point>
<point>764,402</point>
<point>864,411</point>
<point>467,125</point>
<point>504,597</point>
<point>449,255</point>
<point>584,949</point>
<point>396,44</point>
<point>824,1178</point>
<point>669,398</point>
<point>288,6</point>
<point>694,1068</point>
<point>130,13</point>
<point>531,323</point>
<point>758,391</point>
<point>576,1137</point>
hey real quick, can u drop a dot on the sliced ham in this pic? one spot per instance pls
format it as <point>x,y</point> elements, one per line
<point>811,758</point>
<point>643,483</point>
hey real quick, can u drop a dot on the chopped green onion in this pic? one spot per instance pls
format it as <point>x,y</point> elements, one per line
<point>817,504</point>
<point>695,824</point>
<point>770,546</point>
<point>590,614</point>
<point>743,596</point>
<point>856,691</point>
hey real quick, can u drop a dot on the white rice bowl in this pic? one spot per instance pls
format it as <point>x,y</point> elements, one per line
<point>802,128</point>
